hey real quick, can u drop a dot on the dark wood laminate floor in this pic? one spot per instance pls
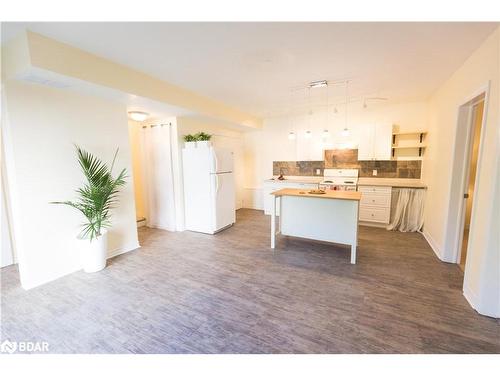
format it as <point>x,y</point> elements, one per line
<point>229,293</point>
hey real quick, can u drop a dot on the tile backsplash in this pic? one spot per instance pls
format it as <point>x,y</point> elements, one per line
<point>298,168</point>
<point>349,159</point>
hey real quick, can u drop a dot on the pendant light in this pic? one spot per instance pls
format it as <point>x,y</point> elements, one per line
<point>291,135</point>
<point>308,134</point>
<point>326,133</point>
<point>345,132</point>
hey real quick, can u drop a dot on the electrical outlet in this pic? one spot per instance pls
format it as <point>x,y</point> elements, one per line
<point>318,171</point>
<point>374,172</point>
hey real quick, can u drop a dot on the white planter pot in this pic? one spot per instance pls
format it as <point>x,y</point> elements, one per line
<point>203,143</point>
<point>190,144</point>
<point>94,253</point>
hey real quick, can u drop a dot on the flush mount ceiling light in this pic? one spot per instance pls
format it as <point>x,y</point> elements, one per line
<point>138,115</point>
<point>291,136</point>
<point>317,84</point>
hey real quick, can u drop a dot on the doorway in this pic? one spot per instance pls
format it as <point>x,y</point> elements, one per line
<point>467,157</point>
<point>475,116</point>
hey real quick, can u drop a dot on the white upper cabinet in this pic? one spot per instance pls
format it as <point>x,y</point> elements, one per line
<point>375,142</point>
<point>383,142</point>
<point>365,144</point>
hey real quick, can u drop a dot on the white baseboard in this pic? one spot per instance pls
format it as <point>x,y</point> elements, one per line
<point>433,245</point>
<point>119,251</point>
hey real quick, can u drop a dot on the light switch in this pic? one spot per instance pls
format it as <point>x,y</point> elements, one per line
<point>374,172</point>
<point>318,171</point>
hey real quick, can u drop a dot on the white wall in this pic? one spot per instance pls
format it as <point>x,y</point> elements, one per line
<point>481,284</point>
<point>42,126</point>
<point>271,143</point>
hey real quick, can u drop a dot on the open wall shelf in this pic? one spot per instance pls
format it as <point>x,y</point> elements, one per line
<point>408,145</point>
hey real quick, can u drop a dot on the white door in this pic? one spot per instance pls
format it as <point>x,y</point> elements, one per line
<point>224,194</point>
<point>382,142</point>
<point>366,140</point>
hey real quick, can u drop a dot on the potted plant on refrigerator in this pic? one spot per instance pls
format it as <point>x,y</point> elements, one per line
<point>189,141</point>
<point>96,198</point>
<point>203,139</point>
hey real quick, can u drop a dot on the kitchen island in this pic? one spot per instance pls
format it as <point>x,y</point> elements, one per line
<point>330,217</point>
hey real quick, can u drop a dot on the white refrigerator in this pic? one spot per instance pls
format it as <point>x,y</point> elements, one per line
<point>209,192</point>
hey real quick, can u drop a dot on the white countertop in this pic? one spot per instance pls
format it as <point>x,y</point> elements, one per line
<point>394,182</point>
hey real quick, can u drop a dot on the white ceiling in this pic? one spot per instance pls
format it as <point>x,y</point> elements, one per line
<point>254,66</point>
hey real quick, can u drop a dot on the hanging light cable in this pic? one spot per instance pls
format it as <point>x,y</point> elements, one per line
<point>308,134</point>
<point>326,133</point>
<point>291,135</point>
<point>345,132</point>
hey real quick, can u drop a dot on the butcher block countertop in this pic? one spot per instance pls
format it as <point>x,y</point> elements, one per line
<point>329,194</point>
<point>394,182</point>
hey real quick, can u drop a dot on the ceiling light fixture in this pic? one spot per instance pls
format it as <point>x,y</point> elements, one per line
<point>308,134</point>
<point>138,115</point>
<point>345,132</point>
<point>317,84</point>
<point>326,134</point>
<point>291,136</point>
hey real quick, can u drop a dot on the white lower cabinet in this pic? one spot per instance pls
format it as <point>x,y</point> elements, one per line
<point>375,204</point>
<point>270,186</point>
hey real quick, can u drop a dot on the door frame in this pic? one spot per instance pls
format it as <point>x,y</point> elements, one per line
<point>460,173</point>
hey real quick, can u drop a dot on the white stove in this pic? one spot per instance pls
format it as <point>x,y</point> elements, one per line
<point>340,179</point>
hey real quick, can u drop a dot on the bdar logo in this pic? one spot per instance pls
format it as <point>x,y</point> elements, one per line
<point>8,347</point>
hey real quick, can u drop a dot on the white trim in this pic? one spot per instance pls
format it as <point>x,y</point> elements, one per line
<point>372,224</point>
<point>11,189</point>
<point>471,297</point>
<point>433,245</point>
<point>119,251</point>
<point>454,223</point>
<point>474,301</point>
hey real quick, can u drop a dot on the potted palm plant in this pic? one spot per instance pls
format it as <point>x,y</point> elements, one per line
<point>203,139</point>
<point>96,198</point>
<point>189,141</point>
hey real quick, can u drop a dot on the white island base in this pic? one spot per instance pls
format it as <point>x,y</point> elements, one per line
<point>330,217</point>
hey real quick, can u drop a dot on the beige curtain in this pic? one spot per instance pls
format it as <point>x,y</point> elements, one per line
<point>408,214</point>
